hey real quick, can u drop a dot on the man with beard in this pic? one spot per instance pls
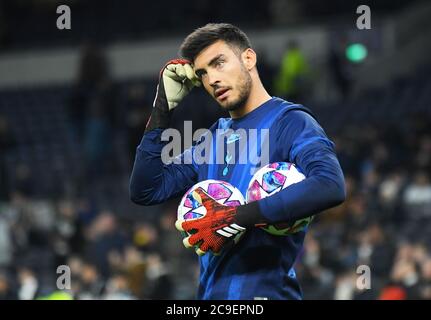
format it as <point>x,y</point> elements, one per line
<point>260,266</point>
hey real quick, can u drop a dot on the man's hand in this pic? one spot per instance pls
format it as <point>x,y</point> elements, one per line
<point>214,230</point>
<point>176,80</point>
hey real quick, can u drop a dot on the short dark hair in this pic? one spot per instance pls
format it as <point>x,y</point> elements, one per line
<point>205,36</point>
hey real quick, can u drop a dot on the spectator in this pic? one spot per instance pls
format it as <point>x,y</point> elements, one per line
<point>159,280</point>
<point>338,67</point>
<point>417,197</point>
<point>117,289</point>
<point>93,110</point>
<point>91,283</point>
<point>291,81</point>
<point>104,236</point>
<point>28,284</point>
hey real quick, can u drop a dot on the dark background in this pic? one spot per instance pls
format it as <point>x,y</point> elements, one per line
<point>67,147</point>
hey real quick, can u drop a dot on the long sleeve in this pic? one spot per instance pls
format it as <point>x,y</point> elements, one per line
<point>152,181</point>
<point>302,141</point>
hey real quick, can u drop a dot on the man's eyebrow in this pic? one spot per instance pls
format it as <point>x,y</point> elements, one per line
<point>211,63</point>
<point>214,60</point>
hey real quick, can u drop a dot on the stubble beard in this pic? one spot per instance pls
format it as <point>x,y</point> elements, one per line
<point>244,89</point>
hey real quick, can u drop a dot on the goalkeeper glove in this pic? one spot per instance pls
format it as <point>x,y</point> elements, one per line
<point>176,80</point>
<point>214,230</point>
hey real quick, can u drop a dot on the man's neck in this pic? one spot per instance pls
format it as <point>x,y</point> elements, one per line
<point>258,96</point>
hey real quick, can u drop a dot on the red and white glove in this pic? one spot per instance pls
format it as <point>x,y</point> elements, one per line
<point>176,81</point>
<point>214,230</point>
<point>177,78</point>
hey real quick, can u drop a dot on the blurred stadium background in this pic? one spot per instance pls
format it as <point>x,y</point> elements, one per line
<point>73,105</point>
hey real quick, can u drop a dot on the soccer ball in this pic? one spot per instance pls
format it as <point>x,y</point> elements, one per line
<point>269,180</point>
<point>221,191</point>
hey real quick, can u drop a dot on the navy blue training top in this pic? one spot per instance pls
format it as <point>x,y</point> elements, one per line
<point>260,265</point>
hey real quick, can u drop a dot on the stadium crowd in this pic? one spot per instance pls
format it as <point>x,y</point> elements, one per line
<point>383,224</point>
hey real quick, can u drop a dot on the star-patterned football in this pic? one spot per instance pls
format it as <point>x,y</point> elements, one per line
<point>272,179</point>
<point>221,191</point>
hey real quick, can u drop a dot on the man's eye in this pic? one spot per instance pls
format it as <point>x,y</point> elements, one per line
<point>200,74</point>
<point>220,63</point>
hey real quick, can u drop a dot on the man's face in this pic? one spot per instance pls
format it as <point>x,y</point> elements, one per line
<point>223,75</point>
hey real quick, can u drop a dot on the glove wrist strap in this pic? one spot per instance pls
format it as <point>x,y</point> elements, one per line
<point>159,119</point>
<point>161,115</point>
<point>249,215</point>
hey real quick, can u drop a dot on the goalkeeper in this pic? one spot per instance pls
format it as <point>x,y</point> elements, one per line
<point>220,58</point>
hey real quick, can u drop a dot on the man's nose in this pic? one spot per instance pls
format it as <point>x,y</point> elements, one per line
<point>213,80</point>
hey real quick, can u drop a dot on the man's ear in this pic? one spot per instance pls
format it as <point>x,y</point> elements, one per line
<point>249,58</point>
